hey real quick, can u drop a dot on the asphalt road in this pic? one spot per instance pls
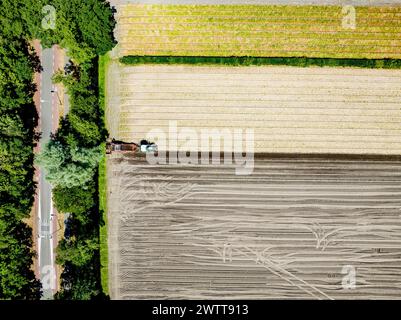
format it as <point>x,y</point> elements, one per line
<point>47,112</point>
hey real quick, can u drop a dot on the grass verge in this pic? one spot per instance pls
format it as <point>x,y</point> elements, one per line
<point>103,62</point>
<point>258,61</point>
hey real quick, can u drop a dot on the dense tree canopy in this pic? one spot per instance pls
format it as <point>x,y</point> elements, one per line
<point>17,281</point>
<point>77,200</point>
<point>71,158</point>
<point>21,19</point>
<point>68,166</point>
<point>77,251</point>
<point>85,29</point>
<point>17,121</point>
<point>81,281</point>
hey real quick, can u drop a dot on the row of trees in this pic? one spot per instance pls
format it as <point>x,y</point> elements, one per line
<point>72,156</point>
<point>85,29</point>
<point>18,118</point>
<point>71,160</point>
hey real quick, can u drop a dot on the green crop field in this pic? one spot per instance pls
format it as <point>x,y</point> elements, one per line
<point>260,31</point>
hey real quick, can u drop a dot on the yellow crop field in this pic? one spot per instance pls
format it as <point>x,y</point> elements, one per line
<point>291,109</point>
<point>259,30</point>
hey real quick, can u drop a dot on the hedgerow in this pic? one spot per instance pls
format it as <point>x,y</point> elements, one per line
<point>260,61</point>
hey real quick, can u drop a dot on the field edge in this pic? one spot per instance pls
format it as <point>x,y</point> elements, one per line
<point>103,62</point>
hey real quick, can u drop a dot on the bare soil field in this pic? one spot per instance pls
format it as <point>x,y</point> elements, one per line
<point>296,228</point>
<point>259,30</point>
<point>290,109</point>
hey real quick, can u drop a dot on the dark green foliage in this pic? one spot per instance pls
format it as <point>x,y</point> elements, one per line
<point>17,121</point>
<point>85,29</point>
<point>80,282</point>
<point>85,119</point>
<point>18,118</point>
<point>93,23</point>
<point>258,61</point>
<point>78,140</point>
<point>77,251</point>
<point>78,200</point>
<point>21,19</point>
<point>71,161</point>
<point>71,158</point>
<point>17,281</point>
